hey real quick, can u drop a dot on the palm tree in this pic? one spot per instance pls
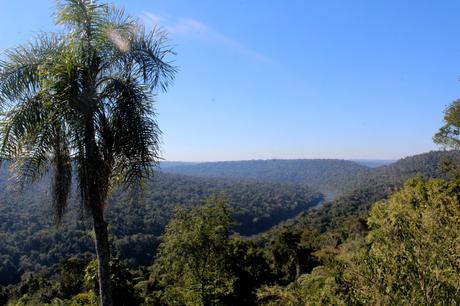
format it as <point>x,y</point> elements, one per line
<point>80,101</point>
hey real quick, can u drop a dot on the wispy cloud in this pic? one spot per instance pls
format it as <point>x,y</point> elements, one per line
<point>190,27</point>
<point>152,19</point>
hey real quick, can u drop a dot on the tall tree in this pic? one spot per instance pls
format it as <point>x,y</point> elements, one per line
<point>193,263</point>
<point>83,98</point>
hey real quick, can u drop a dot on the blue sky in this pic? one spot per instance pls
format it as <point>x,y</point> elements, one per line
<point>293,79</point>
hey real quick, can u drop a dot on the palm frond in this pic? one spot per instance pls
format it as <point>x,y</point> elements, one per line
<point>26,136</point>
<point>150,53</point>
<point>81,16</point>
<point>21,69</point>
<point>32,138</point>
<point>138,54</point>
<point>62,178</point>
<point>31,163</point>
<point>135,132</point>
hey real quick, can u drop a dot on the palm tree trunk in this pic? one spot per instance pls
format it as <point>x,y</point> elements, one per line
<point>93,168</point>
<point>103,257</point>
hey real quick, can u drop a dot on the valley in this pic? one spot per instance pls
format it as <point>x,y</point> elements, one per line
<point>262,194</point>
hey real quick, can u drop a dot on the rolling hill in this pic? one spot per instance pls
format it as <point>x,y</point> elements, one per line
<point>328,176</point>
<point>379,184</point>
<point>30,242</point>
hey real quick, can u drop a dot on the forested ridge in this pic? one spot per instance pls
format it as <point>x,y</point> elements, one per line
<point>328,176</point>
<point>33,245</point>
<point>379,184</point>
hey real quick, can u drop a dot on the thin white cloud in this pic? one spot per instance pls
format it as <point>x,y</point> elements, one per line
<point>152,19</point>
<point>190,27</point>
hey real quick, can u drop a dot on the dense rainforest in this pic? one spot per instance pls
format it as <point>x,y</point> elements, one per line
<point>30,241</point>
<point>40,260</point>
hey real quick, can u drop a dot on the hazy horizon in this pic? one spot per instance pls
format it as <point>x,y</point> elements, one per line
<point>264,159</point>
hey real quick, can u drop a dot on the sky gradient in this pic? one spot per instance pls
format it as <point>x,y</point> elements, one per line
<point>293,79</point>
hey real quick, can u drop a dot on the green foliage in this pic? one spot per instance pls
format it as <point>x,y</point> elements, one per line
<point>292,253</point>
<point>75,284</point>
<point>316,288</point>
<point>409,257</point>
<point>193,264</point>
<point>69,280</point>
<point>122,281</point>
<point>414,242</point>
<point>89,298</point>
<point>251,268</point>
<point>33,290</point>
<point>277,296</point>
